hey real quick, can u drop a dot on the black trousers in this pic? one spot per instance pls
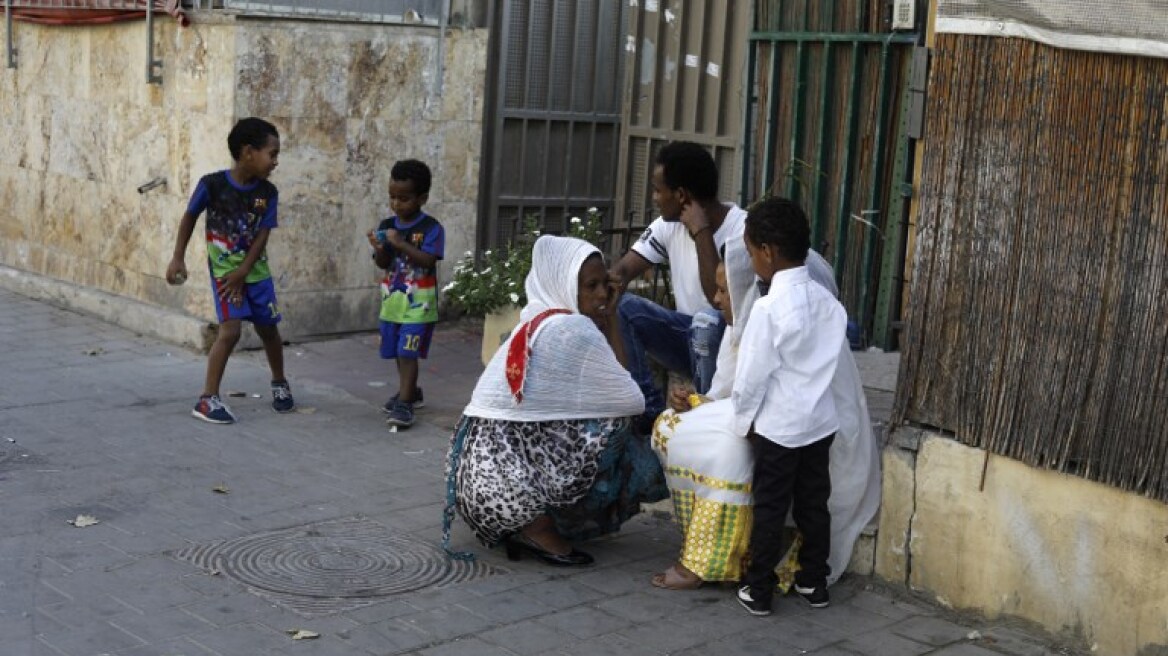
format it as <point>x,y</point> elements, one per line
<point>783,476</point>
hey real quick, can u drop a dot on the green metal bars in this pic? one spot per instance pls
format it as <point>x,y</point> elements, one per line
<point>827,110</point>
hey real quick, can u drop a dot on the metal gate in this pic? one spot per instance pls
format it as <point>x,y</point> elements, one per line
<point>684,81</point>
<point>553,99</point>
<point>828,126</point>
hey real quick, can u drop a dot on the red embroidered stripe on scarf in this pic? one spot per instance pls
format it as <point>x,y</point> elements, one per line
<point>520,351</point>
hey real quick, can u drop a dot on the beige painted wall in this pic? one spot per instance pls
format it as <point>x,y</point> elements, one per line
<point>1075,556</point>
<point>82,130</point>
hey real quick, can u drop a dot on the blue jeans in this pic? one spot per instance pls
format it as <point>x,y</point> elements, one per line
<point>679,342</point>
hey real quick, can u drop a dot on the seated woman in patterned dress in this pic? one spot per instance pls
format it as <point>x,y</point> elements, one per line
<point>544,455</point>
<point>709,468</point>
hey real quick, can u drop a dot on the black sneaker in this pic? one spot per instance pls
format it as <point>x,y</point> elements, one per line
<point>816,596</point>
<point>282,397</point>
<point>418,403</point>
<point>402,415</point>
<point>756,608</point>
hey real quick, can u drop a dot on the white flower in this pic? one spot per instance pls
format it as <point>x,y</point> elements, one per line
<point>468,254</point>
<point>535,232</point>
<point>593,210</point>
<point>575,219</point>
<point>448,287</point>
<point>510,283</point>
<point>514,297</point>
<point>486,252</point>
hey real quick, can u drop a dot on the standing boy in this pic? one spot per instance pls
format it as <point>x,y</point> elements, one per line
<point>241,212</point>
<point>408,246</point>
<point>782,399</point>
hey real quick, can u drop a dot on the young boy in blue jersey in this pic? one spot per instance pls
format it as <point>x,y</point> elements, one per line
<point>241,212</point>
<point>408,245</point>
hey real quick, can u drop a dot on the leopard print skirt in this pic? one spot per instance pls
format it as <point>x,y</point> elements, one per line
<point>590,475</point>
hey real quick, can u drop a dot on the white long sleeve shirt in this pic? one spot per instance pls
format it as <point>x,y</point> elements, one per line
<point>786,361</point>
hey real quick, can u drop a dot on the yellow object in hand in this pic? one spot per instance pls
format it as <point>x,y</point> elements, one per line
<point>695,400</point>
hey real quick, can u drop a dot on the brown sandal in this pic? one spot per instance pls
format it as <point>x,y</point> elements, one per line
<point>673,579</point>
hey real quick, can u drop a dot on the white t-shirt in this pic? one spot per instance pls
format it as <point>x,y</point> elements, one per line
<point>670,241</point>
<point>787,360</point>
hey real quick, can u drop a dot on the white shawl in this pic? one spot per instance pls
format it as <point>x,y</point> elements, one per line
<point>572,372</point>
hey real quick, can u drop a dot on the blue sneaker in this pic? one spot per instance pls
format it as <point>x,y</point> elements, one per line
<point>418,403</point>
<point>402,415</point>
<point>210,409</point>
<point>282,397</point>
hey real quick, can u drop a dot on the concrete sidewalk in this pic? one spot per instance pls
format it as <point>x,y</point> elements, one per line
<point>220,540</point>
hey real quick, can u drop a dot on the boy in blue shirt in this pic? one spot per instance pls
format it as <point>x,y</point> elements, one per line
<point>408,245</point>
<point>241,212</point>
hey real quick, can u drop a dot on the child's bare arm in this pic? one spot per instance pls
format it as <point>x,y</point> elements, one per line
<point>176,271</point>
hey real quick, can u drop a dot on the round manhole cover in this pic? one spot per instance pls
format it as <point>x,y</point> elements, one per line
<point>333,565</point>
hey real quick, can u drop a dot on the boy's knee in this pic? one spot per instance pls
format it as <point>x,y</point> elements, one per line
<point>229,332</point>
<point>267,332</point>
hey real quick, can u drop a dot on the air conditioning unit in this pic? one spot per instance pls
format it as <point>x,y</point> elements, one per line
<point>904,14</point>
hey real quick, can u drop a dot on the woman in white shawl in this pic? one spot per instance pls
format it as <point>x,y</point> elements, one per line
<point>543,455</point>
<point>708,466</point>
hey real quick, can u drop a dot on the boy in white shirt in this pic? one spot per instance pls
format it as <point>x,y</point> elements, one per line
<point>782,399</point>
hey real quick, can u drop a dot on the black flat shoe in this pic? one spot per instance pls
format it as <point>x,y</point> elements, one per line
<point>517,544</point>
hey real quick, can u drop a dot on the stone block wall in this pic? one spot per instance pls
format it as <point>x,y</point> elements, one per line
<point>1081,559</point>
<point>83,129</point>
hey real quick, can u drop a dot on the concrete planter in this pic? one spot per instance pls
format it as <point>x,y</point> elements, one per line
<point>497,327</point>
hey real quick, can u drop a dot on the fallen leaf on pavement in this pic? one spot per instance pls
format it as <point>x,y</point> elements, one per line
<point>221,489</point>
<point>302,634</point>
<point>305,409</point>
<point>238,395</point>
<point>94,351</point>
<point>81,521</point>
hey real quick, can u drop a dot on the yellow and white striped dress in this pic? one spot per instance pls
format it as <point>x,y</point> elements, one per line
<point>708,469</point>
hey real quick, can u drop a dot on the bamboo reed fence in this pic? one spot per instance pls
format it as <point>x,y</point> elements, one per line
<point>1038,321</point>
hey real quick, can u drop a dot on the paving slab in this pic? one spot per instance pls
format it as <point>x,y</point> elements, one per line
<point>100,419</point>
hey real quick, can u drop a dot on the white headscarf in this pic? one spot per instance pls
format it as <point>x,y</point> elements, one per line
<point>572,372</point>
<point>554,280</point>
<point>743,291</point>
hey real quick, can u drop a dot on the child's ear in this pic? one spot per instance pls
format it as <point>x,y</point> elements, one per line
<point>772,253</point>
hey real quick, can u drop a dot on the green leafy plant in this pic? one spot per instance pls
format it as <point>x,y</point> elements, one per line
<point>495,279</point>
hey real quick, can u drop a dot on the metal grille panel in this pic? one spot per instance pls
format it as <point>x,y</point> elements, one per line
<point>552,133</point>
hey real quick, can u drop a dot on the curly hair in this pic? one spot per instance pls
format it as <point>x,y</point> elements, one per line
<point>249,131</point>
<point>781,223</point>
<point>415,171</point>
<point>687,165</point>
